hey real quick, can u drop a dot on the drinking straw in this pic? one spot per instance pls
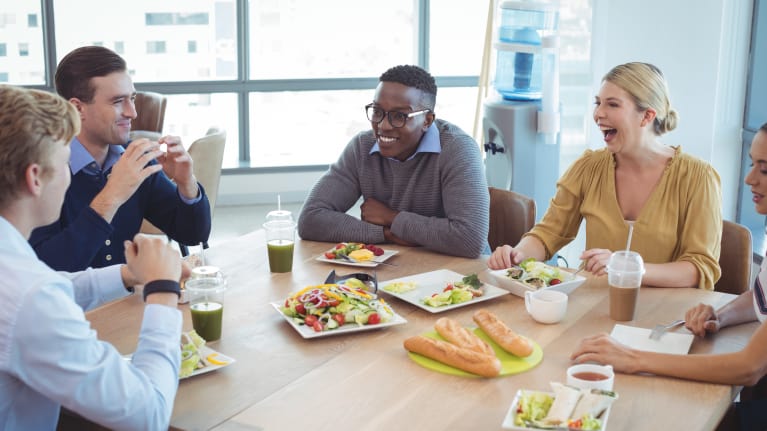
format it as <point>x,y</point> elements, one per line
<point>279,207</point>
<point>202,255</point>
<point>631,231</point>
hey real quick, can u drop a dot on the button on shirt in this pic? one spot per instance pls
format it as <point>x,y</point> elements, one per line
<point>50,356</point>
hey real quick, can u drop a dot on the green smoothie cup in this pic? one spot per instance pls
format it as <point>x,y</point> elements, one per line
<point>206,303</point>
<point>280,237</point>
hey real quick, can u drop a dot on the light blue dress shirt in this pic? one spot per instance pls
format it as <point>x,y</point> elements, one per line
<point>50,356</point>
<point>429,144</point>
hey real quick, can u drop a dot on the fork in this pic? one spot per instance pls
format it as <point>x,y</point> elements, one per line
<point>659,330</point>
<point>352,260</point>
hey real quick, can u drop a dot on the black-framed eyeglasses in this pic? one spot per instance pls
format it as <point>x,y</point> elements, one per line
<point>396,118</point>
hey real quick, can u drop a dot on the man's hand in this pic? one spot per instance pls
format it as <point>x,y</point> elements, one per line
<point>375,212</point>
<point>150,259</point>
<point>127,175</point>
<point>177,164</point>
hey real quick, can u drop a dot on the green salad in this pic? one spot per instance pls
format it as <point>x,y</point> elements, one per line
<point>537,274</point>
<point>456,293</point>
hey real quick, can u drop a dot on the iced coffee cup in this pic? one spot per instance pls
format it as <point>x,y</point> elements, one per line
<point>624,275</point>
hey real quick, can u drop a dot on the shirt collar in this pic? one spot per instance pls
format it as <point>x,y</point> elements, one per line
<point>80,158</point>
<point>429,143</point>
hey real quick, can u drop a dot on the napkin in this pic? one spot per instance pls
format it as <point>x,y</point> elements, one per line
<point>639,338</point>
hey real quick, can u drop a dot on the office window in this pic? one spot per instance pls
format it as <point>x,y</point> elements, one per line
<point>371,37</point>
<point>176,18</point>
<point>3,76</point>
<point>23,50</point>
<point>32,20</point>
<point>7,20</point>
<point>145,23</point>
<point>191,46</point>
<point>21,39</point>
<point>3,50</point>
<point>155,47</point>
<point>119,47</point>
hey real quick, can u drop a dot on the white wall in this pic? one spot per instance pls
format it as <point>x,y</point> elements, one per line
<point>702,48</point>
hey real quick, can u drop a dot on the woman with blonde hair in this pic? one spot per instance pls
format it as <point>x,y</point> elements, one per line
<point>672,199</point>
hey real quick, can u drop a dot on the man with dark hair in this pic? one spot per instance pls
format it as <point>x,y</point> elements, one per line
<point>421,179</point>
<point>115,185</point>
<point>49,354</point>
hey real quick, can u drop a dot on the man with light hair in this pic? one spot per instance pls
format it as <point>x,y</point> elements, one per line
<point>49,355</point>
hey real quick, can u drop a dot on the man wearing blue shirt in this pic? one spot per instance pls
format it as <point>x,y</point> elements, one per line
<point>49,355</point>
<point>114,186</point>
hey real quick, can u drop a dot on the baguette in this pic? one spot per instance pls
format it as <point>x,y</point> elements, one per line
<point>502,334</point>
<point>458,357</point>
<point>456,334</point>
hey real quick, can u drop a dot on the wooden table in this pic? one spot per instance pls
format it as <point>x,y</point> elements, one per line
<point>367,381</point>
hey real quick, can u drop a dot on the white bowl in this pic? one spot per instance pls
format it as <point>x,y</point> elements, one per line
<point>518,288</point>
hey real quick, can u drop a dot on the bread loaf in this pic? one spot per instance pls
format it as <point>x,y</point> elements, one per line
<point>502,334</point>
<point>458,357</point>
<point>456,334</point>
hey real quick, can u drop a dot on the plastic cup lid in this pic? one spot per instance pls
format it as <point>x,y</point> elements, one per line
<point>278,215</point>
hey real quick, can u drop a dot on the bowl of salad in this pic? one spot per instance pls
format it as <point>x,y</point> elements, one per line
<point>531,274</point>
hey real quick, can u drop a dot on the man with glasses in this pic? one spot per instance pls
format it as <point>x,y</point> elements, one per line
<point>420,178</point>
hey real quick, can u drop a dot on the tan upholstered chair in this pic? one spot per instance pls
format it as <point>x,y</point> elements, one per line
<point>735,259</point>
<point>150,112</point>
<point>208,156</point>
<point>511,216</point>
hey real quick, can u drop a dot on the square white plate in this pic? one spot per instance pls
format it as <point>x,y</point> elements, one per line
<point>639,338</point>
<point>511,414</point>
<point>369,264</point>
<point>428,283</point>
<point>308,332</point>
<point>518,288</point>
<point>205,353</point>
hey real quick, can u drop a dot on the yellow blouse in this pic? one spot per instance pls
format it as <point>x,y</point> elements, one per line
<point>681,221</point>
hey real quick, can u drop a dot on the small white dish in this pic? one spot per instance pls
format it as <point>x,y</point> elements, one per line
<point>208,355</point>
<point>546,306</point>
<point>519,288</point>
<point>511,414</point>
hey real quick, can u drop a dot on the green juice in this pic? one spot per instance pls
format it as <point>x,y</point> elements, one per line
<point>280,255</point>
<point>206,319</point>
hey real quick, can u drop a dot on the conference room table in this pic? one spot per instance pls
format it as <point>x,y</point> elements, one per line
<point>367,381</point>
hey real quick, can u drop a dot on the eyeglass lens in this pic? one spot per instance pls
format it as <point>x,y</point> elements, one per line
<point>396,118</point>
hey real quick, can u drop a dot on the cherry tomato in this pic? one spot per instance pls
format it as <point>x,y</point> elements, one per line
<point>374,319</point>
<point>300,309</point>
<point>378,251</point>
<point>317,326</point>
<point>310,320</point>
<point>448,287</point>
<point>333,303</point>
<point>330,255</point>
<point>339,318</point>
<point>554,281</point>
<point>339,246</point>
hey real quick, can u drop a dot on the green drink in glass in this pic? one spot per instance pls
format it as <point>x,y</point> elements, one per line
<point>280,255</point>
<point>206,319</point>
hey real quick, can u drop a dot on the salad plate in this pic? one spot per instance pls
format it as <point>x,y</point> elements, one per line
<point>510,364</point>
<point>307,332</point>
<point>213,360</point>
<point>568,282</point>
<point>428,283</point>
<point>511,414</point>
<point>367,264</point>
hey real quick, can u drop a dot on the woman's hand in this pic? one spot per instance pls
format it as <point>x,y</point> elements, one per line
<point>595,260</point>
<point>505,257</point>
<point>701,320</point>
<point>604,349</point>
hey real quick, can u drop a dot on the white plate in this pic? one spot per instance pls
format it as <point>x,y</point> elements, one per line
<point>368,264</point>
<point>511,414</point>
<point>518,288</point>
<point>428,283</point>
<point>639,338</point>
<point>205,351</point>
<point>308,332</point>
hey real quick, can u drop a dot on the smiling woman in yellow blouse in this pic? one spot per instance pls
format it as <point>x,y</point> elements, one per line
<point>672,199</point>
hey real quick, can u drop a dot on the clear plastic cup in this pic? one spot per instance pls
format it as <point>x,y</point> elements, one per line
<point>624,275</point>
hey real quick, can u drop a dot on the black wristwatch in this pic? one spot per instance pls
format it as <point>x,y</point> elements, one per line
<point>155,286</point>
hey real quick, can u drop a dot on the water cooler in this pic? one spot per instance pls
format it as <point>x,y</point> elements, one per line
<point>521,121</point>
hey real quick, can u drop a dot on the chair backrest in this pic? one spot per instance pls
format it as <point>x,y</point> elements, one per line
<point>511,215</point>
<point>150,112</point>
<point>208,156</point>
<point>735,259</point>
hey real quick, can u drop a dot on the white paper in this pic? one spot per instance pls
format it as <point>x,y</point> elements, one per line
<point>639,338</point>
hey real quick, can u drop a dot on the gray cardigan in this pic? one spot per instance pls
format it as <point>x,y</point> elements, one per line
<point>442,198</point>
